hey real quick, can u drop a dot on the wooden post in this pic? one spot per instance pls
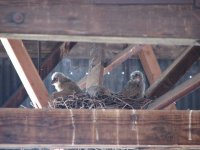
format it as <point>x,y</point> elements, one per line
<point>96,68</point>
<point>27,72</point>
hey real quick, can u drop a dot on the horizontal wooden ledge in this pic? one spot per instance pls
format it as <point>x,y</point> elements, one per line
<point>62,146</point>
<point>103,39</point>
<point>99,128</point>
<point>39,17</point>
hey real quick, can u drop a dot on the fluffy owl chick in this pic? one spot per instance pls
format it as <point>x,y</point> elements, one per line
<point>63,85</point>
<point>135,87</point>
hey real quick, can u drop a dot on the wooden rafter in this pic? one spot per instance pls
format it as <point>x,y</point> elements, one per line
<point>174,72</point>
<point>120,58</point>
<point>81,51</point>
<point>149,63</point>
<point>107,22</point>
<point>27,72</point>
<point>49,63</point>
<point>151,67</point>
<point>177,93</point>
<point>99,128</point>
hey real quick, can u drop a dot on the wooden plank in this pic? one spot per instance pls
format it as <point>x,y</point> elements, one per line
<point>99,128</point>
<point>105,23</point>
<point>149,63</point>
<point>120,58</point>
<point>27,72</point>
<point>144,2</point>
<point>49,63</point>
<point>80,51</point>
<point>177,93</point>
<point>96,68</point>
<point>174,72</point>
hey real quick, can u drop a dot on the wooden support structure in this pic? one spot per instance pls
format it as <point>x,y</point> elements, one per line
<point>149,63</point>
<point>174,72</point>
<point>49,63</point>
<point>107,23</point>
<point>119,59</point>
<point>96,68</point>
<point>27,72</point>
<point>99,128</point>
<point>123,56</point>
<point>151,67</point>
<point>177,93</point>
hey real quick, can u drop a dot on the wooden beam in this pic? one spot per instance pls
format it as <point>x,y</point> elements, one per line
<point>151,67</point>
<point>96,68</point>
<point>80,51</point>
<point>107,23</point>
<point>27,72</point>
<point>49,63</point>
<point>119,59</point>
<point>99,128</point>
<point>144,2</point>
<point>174,72</point>
<point>177,93</point>
<point>123,56</point>
<point>149,63</point>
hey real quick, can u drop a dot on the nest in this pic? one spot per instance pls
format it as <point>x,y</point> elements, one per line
<point>85,101</point>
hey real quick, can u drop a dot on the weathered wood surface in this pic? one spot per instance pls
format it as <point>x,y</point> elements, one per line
<point>27,72</point>
<point>81,50</point>
<point>49,63</point>
<point>177,93</point>
<point>149,63</point>
<point>96,66</point>
<point>151,67</point>
<point>174,72</point>
<point>99,128</point>
<point>45,20</point>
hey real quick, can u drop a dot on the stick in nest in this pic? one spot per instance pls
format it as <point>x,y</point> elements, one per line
<point>84,101</point>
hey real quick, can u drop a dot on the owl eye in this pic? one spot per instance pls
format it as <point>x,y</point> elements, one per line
<point>54,80</point>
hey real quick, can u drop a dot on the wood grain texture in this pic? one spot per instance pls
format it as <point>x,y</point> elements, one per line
<point>46,20</point>
<point>27,72</point>
<point>96,66</point>
<point>149,63</point>
<point>49,63</point>
<point>174,72</point>
<point>151,67</point>
<point>177,93</point>
<point>99,128</point>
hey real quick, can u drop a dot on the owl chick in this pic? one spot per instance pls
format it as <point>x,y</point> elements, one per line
<point>63,85</point>
<point>135,87</point>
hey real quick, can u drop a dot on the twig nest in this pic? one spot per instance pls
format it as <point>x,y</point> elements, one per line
<point>85,101</point>
<point>98,91</point>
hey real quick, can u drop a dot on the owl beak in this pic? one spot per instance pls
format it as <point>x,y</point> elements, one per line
<point>137,78</point>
